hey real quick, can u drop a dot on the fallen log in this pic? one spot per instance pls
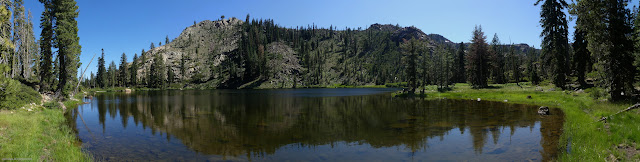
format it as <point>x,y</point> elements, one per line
<point>621,111</point>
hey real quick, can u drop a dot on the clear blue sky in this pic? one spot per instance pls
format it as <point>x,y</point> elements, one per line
<point>128,26</point>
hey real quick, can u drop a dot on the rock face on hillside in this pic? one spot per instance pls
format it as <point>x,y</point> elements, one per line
<point>196,46</point>
<point>208,55</point>
<point>408,33</point>
<point>284,66</point>
<point>385,27</point>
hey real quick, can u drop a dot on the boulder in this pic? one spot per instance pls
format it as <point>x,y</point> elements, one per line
<point>543,110</point>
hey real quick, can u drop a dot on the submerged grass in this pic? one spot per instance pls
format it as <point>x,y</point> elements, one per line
<point>583,138</point>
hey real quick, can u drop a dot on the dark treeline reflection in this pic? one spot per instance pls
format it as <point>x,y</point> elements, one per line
<point>259,122</point>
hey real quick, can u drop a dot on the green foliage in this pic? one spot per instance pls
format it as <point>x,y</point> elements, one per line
<point>459,71</point>
<point>410,49</point>
<point>67,42</point>
<point>555,43</point>
<point>13,94</point>
<point>51,105</point>
<point>134,71</point>
<point>111,75</point>
<point>477,65</point>
<point>609,39</point>
<point>497,60</point>
<point>581,57</point>
<point>397,85</point>
<point>123,71</point>
<point>46,38</point>
<point>157,71</point>
<point>596,92</point>
<point>101,77</point>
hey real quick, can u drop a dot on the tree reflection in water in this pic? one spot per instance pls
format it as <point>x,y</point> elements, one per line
<point>260,124</point>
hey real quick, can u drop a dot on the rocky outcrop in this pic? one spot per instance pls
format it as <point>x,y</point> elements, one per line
<point>408,33</point>
<point>207,55</point>
<point>285,68</point>
<point>197,46</point>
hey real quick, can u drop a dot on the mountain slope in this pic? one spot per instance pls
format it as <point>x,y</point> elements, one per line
<point>232,53</point>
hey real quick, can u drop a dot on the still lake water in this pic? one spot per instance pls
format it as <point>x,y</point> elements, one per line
<point>309,125</point>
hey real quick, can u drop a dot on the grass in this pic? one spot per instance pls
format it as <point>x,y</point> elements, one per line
<point>38,135</point>
<point>33,131</point>
<point>583,138</point>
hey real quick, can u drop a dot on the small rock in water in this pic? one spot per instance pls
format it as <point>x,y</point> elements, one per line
<point>543,110</point>
<point>478,99</point>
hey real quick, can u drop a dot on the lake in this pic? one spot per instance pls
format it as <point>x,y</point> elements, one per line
<point>309,125</point>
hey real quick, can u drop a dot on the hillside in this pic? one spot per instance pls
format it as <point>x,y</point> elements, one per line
<point>232,53</point>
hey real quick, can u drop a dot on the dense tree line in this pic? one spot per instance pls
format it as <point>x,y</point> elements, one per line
<point>369,56</point>
<point>603,53</point>
<point>30,60</point>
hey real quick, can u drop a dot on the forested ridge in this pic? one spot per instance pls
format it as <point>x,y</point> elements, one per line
<point>230,53</point>
<point>259,53</point>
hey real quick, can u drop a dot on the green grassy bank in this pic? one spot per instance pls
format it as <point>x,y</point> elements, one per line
<point>37,132</point>
<point>583,138</point>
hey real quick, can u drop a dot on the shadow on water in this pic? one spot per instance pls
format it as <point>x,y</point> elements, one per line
<point>311,124</point>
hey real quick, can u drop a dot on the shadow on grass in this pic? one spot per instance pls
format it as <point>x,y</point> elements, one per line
<point>411,95</point>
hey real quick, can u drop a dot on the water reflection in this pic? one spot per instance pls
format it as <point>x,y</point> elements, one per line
<point>289,125</point>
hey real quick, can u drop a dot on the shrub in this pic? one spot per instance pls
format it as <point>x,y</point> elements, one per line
<point>397,85</point>
<point>14,94</point>
<point>596,92</point>
<point>51,105</point>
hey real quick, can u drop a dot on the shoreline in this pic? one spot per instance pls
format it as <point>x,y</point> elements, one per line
<point>47,136</point>
<point>35,132</point>
<point>583,137</point>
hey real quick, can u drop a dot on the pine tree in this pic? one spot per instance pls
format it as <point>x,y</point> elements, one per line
<point>183,68</point>
<point>608,30</point>
<point>459,75</point>
<point>92,80</point>
<point>134,71</point>
<point>477,59</point>
<point>67,42</point>
<point>152,46</point>
<point>46,38</point>
<point>497,60</point>
<point>166,40</point>
<point>410,49</point>
<point>18,38</point>
<point>6,46</point>
<point>581,56</point>
<point>532,69</point>
<point>112,74</point>
<point>30,64</point>
<point>170,76</point>
<point>555,43</point>
<point>123,71</point>
<point>101,76</point>
<point>513,64</point>
<point>157,71</point>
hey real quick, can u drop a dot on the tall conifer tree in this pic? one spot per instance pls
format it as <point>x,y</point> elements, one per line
<point>555,43</point>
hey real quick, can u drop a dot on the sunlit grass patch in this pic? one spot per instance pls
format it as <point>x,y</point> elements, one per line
<point>38,136</point>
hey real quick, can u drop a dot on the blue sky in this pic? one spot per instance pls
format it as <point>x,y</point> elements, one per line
<point>128,26</point>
